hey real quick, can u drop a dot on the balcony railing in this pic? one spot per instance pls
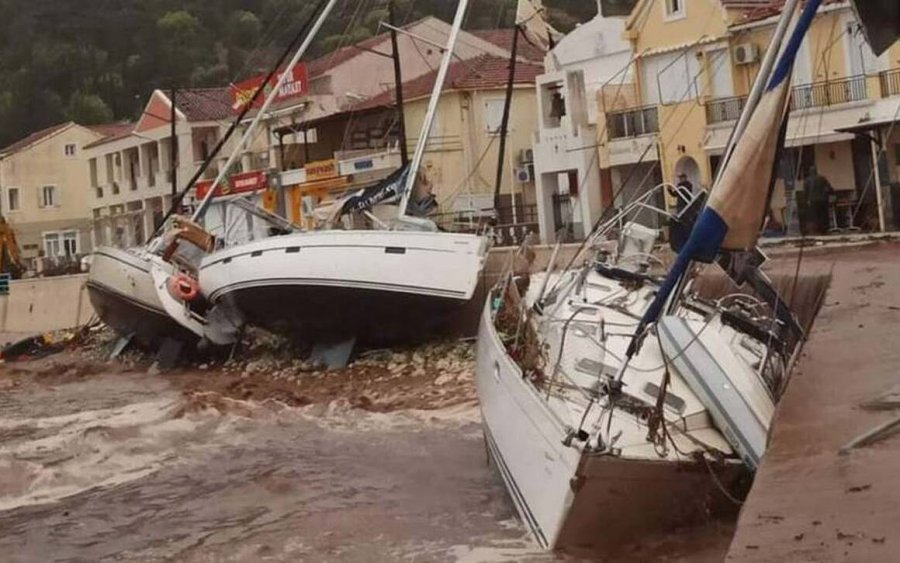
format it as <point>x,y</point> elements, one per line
<point>829,93</point>
<point>724,109</point>
<point>633,122</point>
<point>890,82</point>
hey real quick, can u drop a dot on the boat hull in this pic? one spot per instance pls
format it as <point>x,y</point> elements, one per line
<point>575,501</point>
<point>120,287</point>
<point>379,286</point>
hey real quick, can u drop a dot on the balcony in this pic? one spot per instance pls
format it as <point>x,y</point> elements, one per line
<point>890,82</point>
<point>724,109</point>
<point>829,93</point>
<point>633,122</point>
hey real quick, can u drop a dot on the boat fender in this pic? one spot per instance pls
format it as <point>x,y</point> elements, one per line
<point>184,287</point>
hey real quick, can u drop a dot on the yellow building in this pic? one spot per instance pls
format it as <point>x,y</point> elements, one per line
<point>46,188</point>
<point>695,64</point>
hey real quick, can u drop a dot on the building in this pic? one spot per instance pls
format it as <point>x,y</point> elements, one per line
<point>694,64</point>
<point>45,191</point>
<point>130,174</point>
<point>584,72</point>
<point>460,163</point>
<point>341,131</point>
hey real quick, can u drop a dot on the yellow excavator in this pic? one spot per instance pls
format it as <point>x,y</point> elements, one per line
<point>10,257</point>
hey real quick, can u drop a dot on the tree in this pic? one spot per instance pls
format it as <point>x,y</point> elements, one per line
<point>88,109</point>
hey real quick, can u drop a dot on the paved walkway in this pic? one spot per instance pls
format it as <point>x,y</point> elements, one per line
<point>809,503</point>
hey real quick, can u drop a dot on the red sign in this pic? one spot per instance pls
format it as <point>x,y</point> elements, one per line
<point>295,86</point>
<point>237,184</point>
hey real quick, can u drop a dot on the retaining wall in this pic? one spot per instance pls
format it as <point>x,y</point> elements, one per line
<point>45,304</point>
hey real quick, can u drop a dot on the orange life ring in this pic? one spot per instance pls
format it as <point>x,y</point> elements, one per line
<point>184,287</point>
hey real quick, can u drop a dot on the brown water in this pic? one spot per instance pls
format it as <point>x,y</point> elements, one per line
<point>128,467</point>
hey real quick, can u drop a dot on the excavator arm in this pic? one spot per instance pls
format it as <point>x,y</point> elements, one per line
<point>10,256</point>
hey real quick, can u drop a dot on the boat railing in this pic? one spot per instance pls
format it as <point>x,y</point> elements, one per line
<point>510,224</point>
<point>633,211</point>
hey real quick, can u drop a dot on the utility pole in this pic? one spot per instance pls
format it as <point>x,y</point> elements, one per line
<point>398,87</point>
<point>504,123</point>
<point>173,149</point>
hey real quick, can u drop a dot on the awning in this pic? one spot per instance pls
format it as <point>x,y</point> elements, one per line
<point>683,46</point>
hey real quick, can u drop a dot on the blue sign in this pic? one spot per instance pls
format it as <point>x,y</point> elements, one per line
<point>364,164</point>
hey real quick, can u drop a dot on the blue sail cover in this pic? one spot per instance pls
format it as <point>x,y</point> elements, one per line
<point>384,191</point>
<point>737,204</point>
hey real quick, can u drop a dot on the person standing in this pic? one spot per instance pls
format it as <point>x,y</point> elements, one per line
<point>683,192</point>
<point>817,189</point>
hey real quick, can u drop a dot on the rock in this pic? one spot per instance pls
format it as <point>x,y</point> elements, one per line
<point>444,379</point>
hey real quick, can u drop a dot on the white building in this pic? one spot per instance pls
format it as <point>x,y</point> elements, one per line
<point>586,67</point>
<point>131,173</point>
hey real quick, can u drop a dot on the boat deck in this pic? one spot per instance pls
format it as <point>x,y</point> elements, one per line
<point>808,502</point>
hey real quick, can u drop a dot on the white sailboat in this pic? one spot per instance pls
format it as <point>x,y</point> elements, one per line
<point>616,402</point>
<point>380,285</point>
<point>131,290</point>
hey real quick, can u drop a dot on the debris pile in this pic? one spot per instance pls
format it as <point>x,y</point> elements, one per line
<point>267,367</point>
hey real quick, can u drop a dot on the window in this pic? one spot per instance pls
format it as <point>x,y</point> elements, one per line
<point>70,243</point>
<point>61,244</point>
<point>12,198</point>
<point>670,78</point>
<point>49,196</point>
<point>674,9</point>
<point>70,150</point>
<point>52,245</point>
<point>493,115</point>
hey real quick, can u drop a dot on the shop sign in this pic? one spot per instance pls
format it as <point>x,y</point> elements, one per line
<point>237,184</point>
<point>367,164</point>
<point>295,86</point>
<point>321,170</point>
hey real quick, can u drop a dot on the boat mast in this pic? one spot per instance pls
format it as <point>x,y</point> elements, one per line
<point>412,173</point>
<point>251,129</point>
<point>504,122</point>
<point>173,147</point>
<point>398,87</point>
<point>759,86</point>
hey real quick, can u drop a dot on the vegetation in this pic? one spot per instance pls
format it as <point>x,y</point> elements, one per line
<point>94,61</point>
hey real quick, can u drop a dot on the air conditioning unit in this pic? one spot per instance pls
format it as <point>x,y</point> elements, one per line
<point>526,156</point>
<point>745,54</point>
<point>523,175</point>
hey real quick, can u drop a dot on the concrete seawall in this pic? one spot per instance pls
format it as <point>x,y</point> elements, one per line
<point>45,304</point>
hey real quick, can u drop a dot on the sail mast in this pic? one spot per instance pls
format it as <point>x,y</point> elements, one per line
<point>251,129</point>
<point>412,173</point>
<point>504,122</point>
<point>759,86</point>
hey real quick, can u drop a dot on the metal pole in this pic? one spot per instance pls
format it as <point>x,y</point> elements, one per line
<point>873,143</point>
<point>398,88</point>
<point>248,134</point>
<point>504,122</point>
<point>173,148</point>
<point>413,172</point>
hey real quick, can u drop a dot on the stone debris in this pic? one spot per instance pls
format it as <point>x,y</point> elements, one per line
<point>266,366</point>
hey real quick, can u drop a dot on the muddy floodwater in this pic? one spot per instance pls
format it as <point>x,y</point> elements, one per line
<point>100,465</point>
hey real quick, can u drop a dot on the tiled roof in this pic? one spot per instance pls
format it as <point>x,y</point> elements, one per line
<point>327,62</point>
<point>205,104</point>
<point>757,10</point>
<point>117,129</point>
<point>503,38</point>
<point>35,137</point>
<point>481,73</point>
<point>111,132</point>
